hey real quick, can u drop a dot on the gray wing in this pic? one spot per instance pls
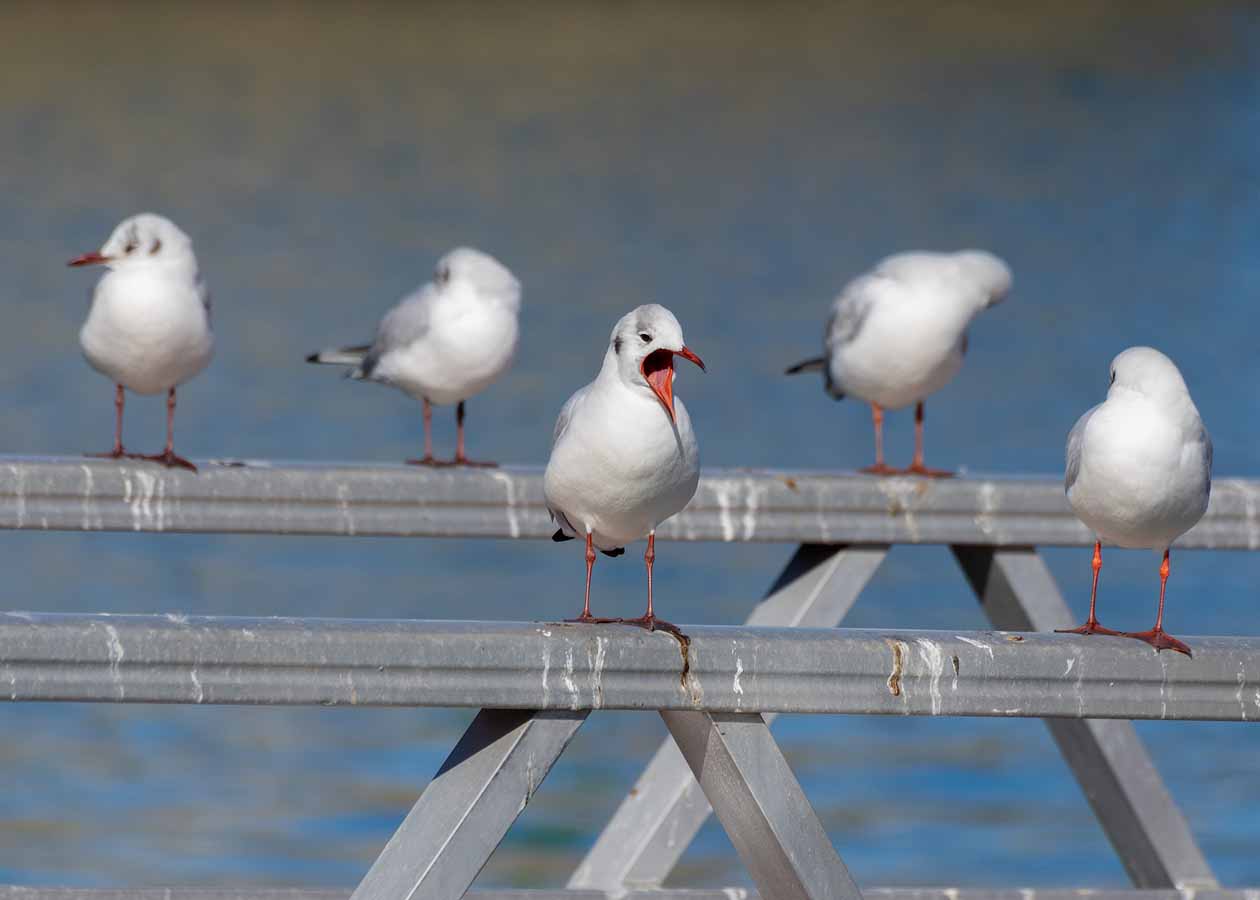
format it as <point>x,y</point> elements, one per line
<point>566,414</point>
<point>850,310</point>
<point>405,324</point>
<point>1075,444</point>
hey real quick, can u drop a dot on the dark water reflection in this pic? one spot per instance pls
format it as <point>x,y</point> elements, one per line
<point>736,163</point>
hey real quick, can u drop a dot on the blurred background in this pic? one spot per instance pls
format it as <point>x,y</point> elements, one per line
<point>735,162</point>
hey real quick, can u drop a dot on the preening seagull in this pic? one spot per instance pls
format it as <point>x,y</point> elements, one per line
<point>1139,471</point>
<point>444,343</point>
<point>148,328</point>
<point>899,332</point>
<point>624,457</point>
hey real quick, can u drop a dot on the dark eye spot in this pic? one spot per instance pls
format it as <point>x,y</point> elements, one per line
<point>129,246</point>
<point>617,345</point>
<point>157,245</point>
<point>444,275</point>
<point>645,337</point>
<point>1113,376</point>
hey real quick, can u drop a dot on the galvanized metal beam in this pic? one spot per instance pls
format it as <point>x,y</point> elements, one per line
<point>469,805</point>
<point>730,893</point>
<point>1140,817</point>
<point>381,662</point>
<point>659,818</point>
<point>761,806</point>
<point>730,505</point>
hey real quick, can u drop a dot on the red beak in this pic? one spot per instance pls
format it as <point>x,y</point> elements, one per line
<point>88,259</point>
<point>658,371</point>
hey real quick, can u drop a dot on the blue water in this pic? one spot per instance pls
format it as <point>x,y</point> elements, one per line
<point>733,163</point>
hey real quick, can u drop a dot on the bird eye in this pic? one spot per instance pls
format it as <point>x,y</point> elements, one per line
<point>444,275</point>
<point>129,247</point>
<point>157,245</point>
<point>1113,376</point>
<point>645,337</point>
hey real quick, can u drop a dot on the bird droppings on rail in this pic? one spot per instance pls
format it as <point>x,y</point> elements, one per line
<point>19,493</point>
<point>89,499</point>
<point>569,684</point>
<point>200,694</point>
<point>596,662</point>
<point>934,660</point>
<point>546,670</point>
<point>116,656</point>
<point>981,645</point>
<point>724,510</point>
<point>894,679</point>
<point>954,660</point>
<point>751,502</point>
<point>148,508</point>
<point>509,498</point>
<point>343,507</point>
<point>1242,684</point>
<point>736,687</point>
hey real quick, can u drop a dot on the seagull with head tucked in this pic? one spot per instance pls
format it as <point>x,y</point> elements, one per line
<point>444,343</point>
<point>624,457</point>
<point>1139,471</point>
<point>899,333</point>
<point>148,328</point>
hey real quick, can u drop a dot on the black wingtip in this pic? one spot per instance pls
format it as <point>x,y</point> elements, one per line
<point>313,358</point>
<point>805,365</point>
<point>620,551</point>
<point>560,537</point>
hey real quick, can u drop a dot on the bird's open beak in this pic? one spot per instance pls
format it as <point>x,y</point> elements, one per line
<point>89,259</point>
<point>658,371</point>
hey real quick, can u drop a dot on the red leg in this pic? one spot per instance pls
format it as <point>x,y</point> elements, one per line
<point>1157,637</point>
<point>877,416</point>
<point>168,457</point>
<point>427,459</point>
<point>917,467</point>
<point>586,605</point>
<point>460,458</point>
<point>648,620</point>
<point>1091,625</point>
<point>118,452</point>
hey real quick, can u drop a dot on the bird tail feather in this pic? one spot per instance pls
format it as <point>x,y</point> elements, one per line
<point>807,365</point>
<point>341,356</point>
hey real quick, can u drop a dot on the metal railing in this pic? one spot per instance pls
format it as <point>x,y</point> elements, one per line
<point>717,689</point>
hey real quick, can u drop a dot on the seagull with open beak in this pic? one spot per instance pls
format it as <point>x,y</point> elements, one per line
<point>624,457</point>
<point>148,329</point>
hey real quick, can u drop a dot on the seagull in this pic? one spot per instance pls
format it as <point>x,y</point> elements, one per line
<point>899,333</point>
<point>443,343</point>
<point>1139,471</point>
<point>624,457</point>
<point>148,328</point>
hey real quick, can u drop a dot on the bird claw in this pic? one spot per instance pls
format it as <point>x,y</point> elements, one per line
<point>427,460</point>
<point>116,453</point>
<point>652,623</point>
<point>880,469</point>
<point>474,463</point>
<point>594,620</point>
<point>1160,640</point>
<point>924,472</point>
<point>168,458</point>
<point>1091,628</point>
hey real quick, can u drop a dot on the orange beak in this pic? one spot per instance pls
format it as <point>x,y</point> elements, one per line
<point>88,259</point>
<point>658,371</point>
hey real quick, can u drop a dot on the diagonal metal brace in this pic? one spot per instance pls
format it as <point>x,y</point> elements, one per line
<point>761,806</point>
<point>1140,817</point>
<point>469,805</point>
<point>658,820</point>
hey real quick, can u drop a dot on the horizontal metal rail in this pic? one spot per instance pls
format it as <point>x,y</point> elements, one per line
<point>173,659</point>
<point>730,505</point>
<point>730,893</point>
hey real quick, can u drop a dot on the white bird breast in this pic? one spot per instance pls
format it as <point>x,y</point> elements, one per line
<point>147,329</point>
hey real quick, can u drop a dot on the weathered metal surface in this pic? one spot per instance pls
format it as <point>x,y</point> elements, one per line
<point>658,819</point>
<point>730,893</point>
<point>730,505</point>
<point>1139,816</point>
<point>469,805</point>
<point>179,659</point>
<point>761,806</point>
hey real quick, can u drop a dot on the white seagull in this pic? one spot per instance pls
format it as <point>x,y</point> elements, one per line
<point>149,325</point>
<point>899,332</point>
<point>443,343</point>
<point>624,457</point>
<point>1139,471</point>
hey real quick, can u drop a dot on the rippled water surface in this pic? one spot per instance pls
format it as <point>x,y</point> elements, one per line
<point>736,163</point>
